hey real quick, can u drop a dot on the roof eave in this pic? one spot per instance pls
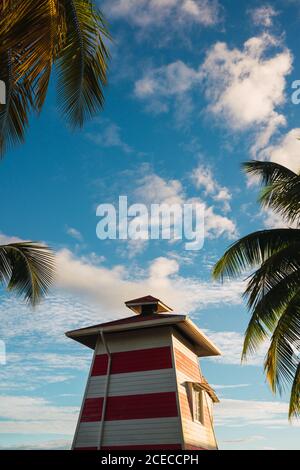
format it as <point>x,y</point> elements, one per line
<point>78,335</point>
<point>204,347</point>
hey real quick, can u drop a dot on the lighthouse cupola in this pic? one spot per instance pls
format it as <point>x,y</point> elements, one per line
<point>147,305</point>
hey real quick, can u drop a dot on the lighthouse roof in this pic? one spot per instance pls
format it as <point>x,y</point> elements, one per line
<point>137,305</point>
<point>202,344</point>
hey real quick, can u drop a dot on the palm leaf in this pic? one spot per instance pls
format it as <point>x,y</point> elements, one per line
<point>280,363</point>
<point>268,172</point>
<point>82,64</point>
<point>36,33</point>
<point>27,268</point>
<point>252,250</point>
<point>35,36</point>
<point>282,188</point>
<point>272,271</point>
<point>273,290</point>
<point>284,199</point>
<point>14,114</point>
<point>268,310</point>
<point>294,408</point>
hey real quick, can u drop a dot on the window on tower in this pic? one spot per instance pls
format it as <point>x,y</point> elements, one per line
<point>198,405</point>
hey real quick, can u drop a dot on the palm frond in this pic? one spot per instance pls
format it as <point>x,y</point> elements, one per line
<point>14,113</point>
<point>268,172</point>
<point>268,310</point>
<point>273,290</point>
<point>294,408</point>
<point>282,188</point>
<point>82,63</point>
<point>252,250</point>
<point>27,268</point>
<point>283,197</point>
<point>280,363</point>
<point>71,34</point>
<point>272,271</point>
<point>35,35</point>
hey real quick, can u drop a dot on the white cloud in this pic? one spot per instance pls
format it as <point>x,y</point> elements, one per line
<point>35,415</point>
<point>286,151</point>
<point>162,278</point>
<point>245,87</point>
<point>109,135</point>
<point>231,345</point>
<point>54,444</point>
<point>217,225</point>
<point>74,233</point>
<point>203,178</point>
<point>263,15</point>
<point>229,387</point>
<point>168,86</point>
<point>157,13</point>
<point>77,277</point>
<point>272,220</point>
<point>29,370</point>
<point>248,85</point>
<point>155,189</point>
<point>240,413</point>
<point>5,239</point>
<point>172,79</point>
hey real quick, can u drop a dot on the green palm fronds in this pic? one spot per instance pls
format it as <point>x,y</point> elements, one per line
<point>37,36</point>
<point>273,289</point>
<point>27,268</point>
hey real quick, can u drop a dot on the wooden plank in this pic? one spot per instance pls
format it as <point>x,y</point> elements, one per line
<point>151,405</point>
<point>133,383</point>
<point>131,432</point>
<point>135,340</point>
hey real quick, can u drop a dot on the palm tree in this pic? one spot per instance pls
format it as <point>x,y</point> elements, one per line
<point>35,36</point>
<point>273,290</point>
<point>27,268</point>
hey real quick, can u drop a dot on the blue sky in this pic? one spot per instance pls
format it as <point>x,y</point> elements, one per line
<point>195,88</point>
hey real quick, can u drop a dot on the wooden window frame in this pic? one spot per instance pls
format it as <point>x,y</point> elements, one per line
<point>198,406</point>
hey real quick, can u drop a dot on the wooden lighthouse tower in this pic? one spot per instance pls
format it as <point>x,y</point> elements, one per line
<point>145,388</point>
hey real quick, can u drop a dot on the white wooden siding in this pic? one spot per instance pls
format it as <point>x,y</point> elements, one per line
<point>133,383</point>
<point>141,431</point>
<point>134,340</point>
<point>182,345</point>
<point>88,435</point>
<point>195,433</point>
<point>130,432</point>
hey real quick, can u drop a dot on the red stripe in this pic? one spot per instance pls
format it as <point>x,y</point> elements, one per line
<point>151,405</point>
<point>144,447</point>
<point>92,410</point>
<point>134,361</point>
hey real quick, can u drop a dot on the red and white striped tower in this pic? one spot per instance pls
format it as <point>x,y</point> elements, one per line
<point>145,388</point>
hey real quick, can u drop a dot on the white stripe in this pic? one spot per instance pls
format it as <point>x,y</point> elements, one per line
<point>133,383</point>
<point>130,432</point>
<point>135,340</point>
